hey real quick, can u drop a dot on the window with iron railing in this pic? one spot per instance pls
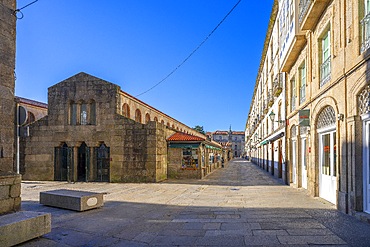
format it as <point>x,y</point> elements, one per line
<point>365,27</point>
<point>325,65</point>
<point>293,94</point>
<point>302,87</point>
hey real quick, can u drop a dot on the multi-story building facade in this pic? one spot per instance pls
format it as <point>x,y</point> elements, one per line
<point>327,99</point>
<point>265,128</point>
<point>233,139</point>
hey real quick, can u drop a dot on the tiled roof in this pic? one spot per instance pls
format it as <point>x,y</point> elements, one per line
<point>238,133</point>
<point>220,132</point>
<point>184,137</point>
<point>31,102</point>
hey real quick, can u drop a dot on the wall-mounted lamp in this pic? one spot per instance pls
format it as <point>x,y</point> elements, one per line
<point>340,117</point>
<point>272,117</point>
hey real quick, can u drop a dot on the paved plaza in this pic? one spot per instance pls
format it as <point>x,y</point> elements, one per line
<point>239,205</point>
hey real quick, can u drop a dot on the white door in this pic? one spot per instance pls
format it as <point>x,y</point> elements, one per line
<point>327,166</point>
<point>294,161</point>
<point>366,166</point>
<point>304,162</point>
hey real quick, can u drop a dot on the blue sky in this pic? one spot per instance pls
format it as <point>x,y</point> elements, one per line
<point>136,43</point>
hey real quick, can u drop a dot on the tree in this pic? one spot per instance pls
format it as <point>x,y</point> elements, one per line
<point>199,129</point>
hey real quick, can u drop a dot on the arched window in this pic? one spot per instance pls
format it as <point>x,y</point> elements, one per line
<point>83,114</point>
<point>138,116</point>
<point>92,112</point>
<point>156,119</point>
<point>126,110</point>
<point>168,124</point>
<point>30,117</point>
<point>73,113</point>
<point>162,122</point>
<point>326,118</point>
<point>147,118</point>
<point>173,126</point>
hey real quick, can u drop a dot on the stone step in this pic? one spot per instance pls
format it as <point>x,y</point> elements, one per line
<point>72,199</point>
<point>16,228</point>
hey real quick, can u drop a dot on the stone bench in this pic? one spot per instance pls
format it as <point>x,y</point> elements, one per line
<point>16,228</point>
<point>72,199</point>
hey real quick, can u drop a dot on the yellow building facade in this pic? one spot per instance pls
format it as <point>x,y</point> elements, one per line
<point>327,92</point>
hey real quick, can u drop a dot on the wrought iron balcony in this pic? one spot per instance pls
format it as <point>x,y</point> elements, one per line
<point>278,84</point>
<point>365,27</point>
<point>303,6</point>
<point>325,71</point>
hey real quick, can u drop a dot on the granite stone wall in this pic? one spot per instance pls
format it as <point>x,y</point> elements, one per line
<point>7,65</point>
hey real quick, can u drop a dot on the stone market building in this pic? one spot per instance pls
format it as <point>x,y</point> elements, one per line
<point>96,132</point>
<point>193,156</point>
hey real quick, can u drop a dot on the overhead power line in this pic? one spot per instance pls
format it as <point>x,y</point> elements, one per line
<point>18,13</point>
<point>192,53</point>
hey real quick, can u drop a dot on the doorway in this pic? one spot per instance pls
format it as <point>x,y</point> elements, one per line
<point>304,162</point>
<point>82,163</point>
<point>327,165</point>
<point>366,166</point>
<point>294,161</point>
<point>63,157</point>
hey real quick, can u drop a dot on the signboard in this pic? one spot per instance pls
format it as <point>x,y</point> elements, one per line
<point>304,117</point>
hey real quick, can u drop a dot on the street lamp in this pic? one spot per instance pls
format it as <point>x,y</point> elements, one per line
<point>272,117</point>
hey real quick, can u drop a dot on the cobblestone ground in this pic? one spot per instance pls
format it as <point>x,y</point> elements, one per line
<point>239,205</point>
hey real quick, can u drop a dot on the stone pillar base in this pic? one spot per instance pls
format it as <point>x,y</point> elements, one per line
<point>10,192</point>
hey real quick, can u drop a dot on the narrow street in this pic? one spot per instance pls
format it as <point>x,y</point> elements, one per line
<point>239,205</point>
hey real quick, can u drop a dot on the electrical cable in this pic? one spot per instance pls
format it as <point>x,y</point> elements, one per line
<point>192,53</point>
<point>20,12</point>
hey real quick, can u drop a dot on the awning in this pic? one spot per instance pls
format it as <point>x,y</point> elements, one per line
<point>212,147</point>
<point>265,142</point>
<point>183,145</point>
<point>276,137</point>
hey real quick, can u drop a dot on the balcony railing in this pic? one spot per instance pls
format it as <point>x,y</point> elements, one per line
<point>278,84</point>
<point>325,70</point>
<point>365,27</point>
<point>304,6</point>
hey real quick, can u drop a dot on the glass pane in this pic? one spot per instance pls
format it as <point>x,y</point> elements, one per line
<point>325,166</point>
<point>83,119</point>
<point>335,155</point>
<point>304,153</point>
<point>368,144</point>
<point>92,113</point>
<point>73,114</point>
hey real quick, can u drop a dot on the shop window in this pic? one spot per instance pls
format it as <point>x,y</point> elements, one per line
<point>138,116</point>
<point>189,159</point>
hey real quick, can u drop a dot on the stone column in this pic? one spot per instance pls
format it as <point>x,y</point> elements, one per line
<point>7,65</point>
<point>10,188</point>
